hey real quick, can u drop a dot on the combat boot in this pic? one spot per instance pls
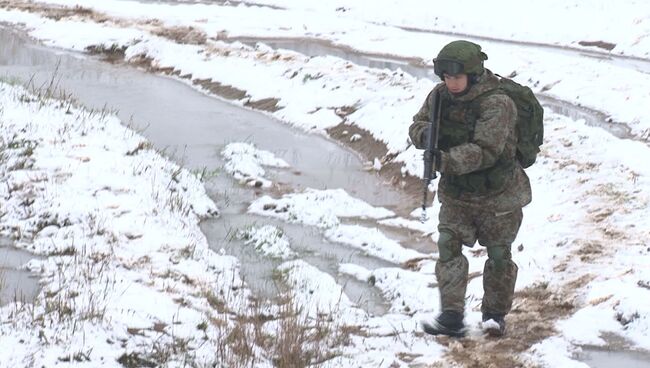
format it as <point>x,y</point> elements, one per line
<point>494,324</point>
<point>448,323</point>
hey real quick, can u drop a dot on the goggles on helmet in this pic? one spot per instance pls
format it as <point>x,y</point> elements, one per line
<point>446,66</point>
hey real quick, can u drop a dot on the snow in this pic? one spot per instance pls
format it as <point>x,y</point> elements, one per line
<point>372,241</point>
<point>555,352</point>
<point>490,325</point>
<point>268,240</point>
<point>308,280</point>
<point>588,220</point>
<point>527,23</point>
<point>585,326</point>
<point>319,293</point>
<point>426,228</point>
<point>321,208</point>
<point>117,229</point>
<point>364,27</point>
<point>327,209</point>
<point>245,162</point>
<point>408,291</point>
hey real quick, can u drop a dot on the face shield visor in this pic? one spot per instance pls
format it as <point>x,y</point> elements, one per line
<point>446,66</point>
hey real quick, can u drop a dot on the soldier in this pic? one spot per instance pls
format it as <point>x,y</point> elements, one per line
<point>482,187</point>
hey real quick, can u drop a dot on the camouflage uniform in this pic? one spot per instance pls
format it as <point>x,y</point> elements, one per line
<point>482,190</point>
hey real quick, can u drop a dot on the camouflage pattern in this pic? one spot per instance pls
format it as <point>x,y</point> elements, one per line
<point>499,282</point>
<point>493,137</point>
<point>492,218</point>
<point>464,52</point>
<point>460,226</point>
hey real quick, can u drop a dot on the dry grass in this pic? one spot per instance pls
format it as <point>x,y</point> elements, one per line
<point>301,342</point>
<point>266,104</point>
<point>112,53</point>
<point>281,333</point>
<point>183,35</point>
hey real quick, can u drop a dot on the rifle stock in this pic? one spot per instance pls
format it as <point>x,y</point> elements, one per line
<point>431,148</point>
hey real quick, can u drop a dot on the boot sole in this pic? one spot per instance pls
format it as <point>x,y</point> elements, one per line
<point>436,329</point>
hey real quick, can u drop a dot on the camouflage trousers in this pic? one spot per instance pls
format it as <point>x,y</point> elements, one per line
<point>460,226</point>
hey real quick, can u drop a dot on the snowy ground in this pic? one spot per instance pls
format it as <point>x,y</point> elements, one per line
<point>126,270</point>
<point>582,250</point>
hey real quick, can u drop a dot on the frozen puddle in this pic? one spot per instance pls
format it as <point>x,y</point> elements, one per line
<point>15,284</point>
<point>194,129</point>
<point>321,48</point>
<point>591,117</point>
<point>601,358</point>
<point>308,244</point>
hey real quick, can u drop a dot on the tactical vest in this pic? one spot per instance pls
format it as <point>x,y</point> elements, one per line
<point>457,124</point>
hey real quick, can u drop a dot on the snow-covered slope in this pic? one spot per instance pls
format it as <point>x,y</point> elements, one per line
<point>583,247</point>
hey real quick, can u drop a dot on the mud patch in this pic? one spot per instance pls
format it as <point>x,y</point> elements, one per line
<point>590,251</point>
<point>55,12</point>
<point>531,320</point>
<point>600,44</point>
<point>371,149</point>
<point>75,12</point>
<point>360,140</point>
<point>111,54</point>
<point>183,35</point>
<point>265,104</point>
<point>116,54</point>
<point>225,91</point>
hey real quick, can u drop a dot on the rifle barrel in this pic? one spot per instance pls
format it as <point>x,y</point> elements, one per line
<point>431,147</point>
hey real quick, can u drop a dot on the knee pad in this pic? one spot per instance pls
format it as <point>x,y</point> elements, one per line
<point>449,246</point>
<point>500,256</point>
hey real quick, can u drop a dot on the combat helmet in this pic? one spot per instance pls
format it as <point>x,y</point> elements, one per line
<point>459,57</point>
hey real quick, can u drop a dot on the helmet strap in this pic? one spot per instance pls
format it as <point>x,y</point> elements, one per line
<point>473,78</point>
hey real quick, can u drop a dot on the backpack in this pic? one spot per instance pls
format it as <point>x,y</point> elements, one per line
<point>530,120</point>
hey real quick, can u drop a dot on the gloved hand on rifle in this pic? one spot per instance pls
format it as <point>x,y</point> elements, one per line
<point>418,132</point>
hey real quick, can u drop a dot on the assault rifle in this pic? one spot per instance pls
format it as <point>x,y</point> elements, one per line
<point>431,149</point>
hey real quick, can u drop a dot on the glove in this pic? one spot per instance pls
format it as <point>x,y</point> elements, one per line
<point>418,132</point>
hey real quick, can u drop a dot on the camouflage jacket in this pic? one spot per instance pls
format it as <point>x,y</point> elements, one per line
<point>492,142</point>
